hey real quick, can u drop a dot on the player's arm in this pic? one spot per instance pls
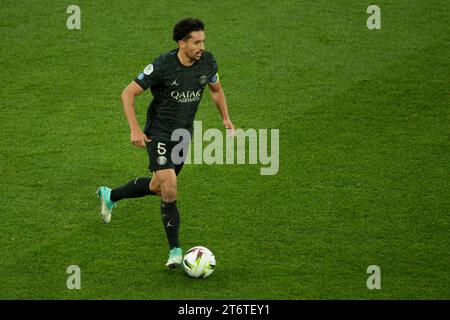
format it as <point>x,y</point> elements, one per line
<point>137,137</point>
<point>219,100</point>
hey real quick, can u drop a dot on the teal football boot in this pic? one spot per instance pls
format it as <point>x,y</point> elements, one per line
<point>104,194</point>
<point>175,258</point>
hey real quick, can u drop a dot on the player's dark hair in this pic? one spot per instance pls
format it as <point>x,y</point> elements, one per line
<point>184,27</point>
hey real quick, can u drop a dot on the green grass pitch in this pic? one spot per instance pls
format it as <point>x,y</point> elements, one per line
<point>363,117</point>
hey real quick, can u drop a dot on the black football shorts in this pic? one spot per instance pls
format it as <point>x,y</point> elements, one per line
<point>160,155</point>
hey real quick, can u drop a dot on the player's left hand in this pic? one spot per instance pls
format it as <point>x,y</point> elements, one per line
<point>231,130</point>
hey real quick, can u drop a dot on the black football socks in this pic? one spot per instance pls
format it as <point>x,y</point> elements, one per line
<point>171,221</point>
<point>139,187</point>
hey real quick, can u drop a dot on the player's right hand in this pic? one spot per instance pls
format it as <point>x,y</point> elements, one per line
<point>138,138</point>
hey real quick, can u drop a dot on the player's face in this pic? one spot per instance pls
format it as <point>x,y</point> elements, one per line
<point>194,46</point>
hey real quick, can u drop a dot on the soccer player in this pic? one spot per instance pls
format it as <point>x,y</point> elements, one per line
<point>177,80</point>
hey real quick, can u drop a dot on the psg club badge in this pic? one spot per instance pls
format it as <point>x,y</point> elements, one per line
<point>203,80</point>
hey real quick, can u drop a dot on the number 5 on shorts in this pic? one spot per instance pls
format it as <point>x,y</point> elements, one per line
<point>161,149</point>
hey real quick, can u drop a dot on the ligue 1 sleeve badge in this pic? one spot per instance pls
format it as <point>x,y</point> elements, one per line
<point>148,69</point>
<point>203,80</point>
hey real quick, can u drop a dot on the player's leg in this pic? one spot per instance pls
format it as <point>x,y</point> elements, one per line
<point>169,213</point>
<point>136,188</point>
<point>158,150</point>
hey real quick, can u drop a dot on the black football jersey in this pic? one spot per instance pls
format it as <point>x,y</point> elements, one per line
<point>177,91</point>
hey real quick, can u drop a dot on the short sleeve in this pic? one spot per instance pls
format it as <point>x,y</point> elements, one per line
<point>150,76</point>
<point>214,76</point>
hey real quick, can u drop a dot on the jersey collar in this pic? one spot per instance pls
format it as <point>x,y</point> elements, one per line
<point>182,65</point>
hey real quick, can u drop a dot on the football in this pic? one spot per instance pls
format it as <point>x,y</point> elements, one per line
<point>199,262</point>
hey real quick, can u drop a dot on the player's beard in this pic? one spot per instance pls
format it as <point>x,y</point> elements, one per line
<point>193,56</point>
<point>197,55</point>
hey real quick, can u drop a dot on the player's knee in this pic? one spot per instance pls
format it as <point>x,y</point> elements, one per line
<point>155,187</point>
<point>167,182</point>
<point>156,191</point>
<point>169,193</point>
